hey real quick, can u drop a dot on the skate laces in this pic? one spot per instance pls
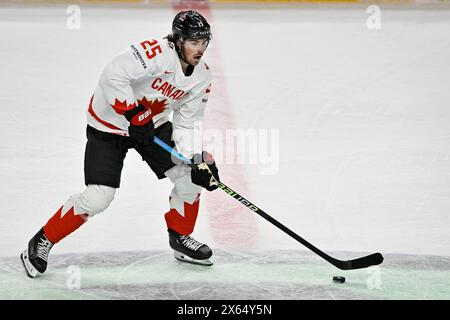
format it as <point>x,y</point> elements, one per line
<point>43,248</point>
<point>190,242</point>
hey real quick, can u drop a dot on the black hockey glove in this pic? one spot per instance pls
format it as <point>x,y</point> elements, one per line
<point>141,129</point>
<point>204,171</point>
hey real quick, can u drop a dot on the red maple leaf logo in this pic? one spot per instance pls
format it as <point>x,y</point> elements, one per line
<point>122,107</point>
<point>155,106</point>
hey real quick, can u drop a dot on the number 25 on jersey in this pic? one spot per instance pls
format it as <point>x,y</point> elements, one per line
<point>151,48</point>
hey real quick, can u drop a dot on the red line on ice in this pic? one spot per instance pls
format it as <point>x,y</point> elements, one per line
<point>232,224</point>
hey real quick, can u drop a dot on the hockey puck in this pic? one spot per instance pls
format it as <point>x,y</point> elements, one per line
<point>338,279</point>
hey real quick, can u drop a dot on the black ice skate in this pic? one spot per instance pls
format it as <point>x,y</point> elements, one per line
<point>35,257</point>
<point>187,249</point>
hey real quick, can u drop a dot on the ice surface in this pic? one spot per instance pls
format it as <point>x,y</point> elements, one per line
<point>235,275</point>
<point>364,166</point>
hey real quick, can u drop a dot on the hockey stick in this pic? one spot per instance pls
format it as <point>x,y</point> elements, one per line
<point>359,263</point>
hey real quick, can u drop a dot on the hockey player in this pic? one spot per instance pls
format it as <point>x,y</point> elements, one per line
<point>136,93</point>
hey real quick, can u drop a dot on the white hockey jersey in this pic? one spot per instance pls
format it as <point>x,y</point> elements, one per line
<point>149,73</point>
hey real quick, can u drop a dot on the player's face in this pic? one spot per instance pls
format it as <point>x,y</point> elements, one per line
<point>194,49</point>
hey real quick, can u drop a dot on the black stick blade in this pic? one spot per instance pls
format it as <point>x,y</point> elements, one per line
<point>364,262</point>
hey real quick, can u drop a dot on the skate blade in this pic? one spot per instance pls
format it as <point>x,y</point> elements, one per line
<point>31,271</point>
<point>184,258</point>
